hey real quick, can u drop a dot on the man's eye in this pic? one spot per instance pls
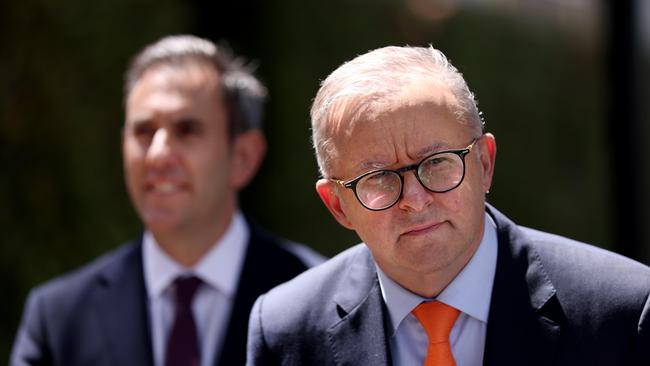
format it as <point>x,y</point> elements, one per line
<point>439,161</point>
<point>143,131</point>
<point>187,128</point>
<point>379,176</point>
<point>381,179</point>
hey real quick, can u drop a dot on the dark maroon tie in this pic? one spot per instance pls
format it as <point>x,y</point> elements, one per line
<point>183,345</point>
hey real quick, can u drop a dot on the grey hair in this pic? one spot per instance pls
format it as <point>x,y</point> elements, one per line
<point>245,95</point>
<point>358,86</point>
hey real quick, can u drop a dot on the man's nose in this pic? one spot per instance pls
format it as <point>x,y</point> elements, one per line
<point>414,196</point>
<point>160,150</point>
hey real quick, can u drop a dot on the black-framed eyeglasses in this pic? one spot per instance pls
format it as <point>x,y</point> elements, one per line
<point>440,172</point>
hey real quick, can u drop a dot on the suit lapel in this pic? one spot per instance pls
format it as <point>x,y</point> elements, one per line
<point>358,337</point>
<point>525,316</point>
<point>121,300</point>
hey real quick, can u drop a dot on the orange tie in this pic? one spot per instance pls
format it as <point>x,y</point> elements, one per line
<point>437,319</point>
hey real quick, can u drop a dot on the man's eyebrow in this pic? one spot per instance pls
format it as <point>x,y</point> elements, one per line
<point>428,150</point>
<point>139,121</point>
<point>368,165</point>
<point>432,149</point>
<point>184,119</point>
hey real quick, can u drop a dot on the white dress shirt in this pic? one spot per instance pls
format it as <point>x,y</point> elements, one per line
<point>470,292</point>
<point>219,270</point>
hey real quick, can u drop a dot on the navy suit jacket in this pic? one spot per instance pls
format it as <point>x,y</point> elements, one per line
<point>99,314</point>
<point>554,302</point>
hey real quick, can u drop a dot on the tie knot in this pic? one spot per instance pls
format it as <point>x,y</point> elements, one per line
<point>437,319</point>
<point>185,289</point>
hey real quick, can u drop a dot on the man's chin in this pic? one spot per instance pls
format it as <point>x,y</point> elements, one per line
<point>426,252</point>
<point>160,222</point>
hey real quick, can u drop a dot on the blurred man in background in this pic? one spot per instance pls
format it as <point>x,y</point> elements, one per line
<point>179,294</point>
<point>442,278</point>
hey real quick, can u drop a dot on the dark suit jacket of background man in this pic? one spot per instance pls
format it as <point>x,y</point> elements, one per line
<point>554,302</point>
<point>98,315</point>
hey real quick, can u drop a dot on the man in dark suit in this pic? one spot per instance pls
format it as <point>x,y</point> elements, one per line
<point>180,294</point>
<point>442,278</point>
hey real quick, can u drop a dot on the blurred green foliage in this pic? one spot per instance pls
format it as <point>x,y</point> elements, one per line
<point>541,88</point>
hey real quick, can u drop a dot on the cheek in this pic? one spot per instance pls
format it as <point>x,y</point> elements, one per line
<point>132,154</point>
<point>131,168</point>
<point>466,206</point>
<point>469,193</point>
<point>211,170</point>
<point>373,226</point>
<point>461,206</point>
<point>453,201</point>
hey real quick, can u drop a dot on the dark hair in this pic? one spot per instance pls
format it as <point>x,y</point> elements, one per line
<point>244,94</point>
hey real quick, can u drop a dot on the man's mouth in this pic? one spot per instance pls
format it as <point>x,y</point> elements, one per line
<point>164,187</point>
<point>422,229</point>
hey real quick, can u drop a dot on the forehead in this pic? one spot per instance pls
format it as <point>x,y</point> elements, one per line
<point>190,81</point>
<point>405,127</point>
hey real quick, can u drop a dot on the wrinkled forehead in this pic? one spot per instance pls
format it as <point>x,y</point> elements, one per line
<point>352,115</point>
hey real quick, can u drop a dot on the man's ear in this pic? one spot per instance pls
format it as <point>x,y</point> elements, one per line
<point>248,150</point>
<point>328,193</point>
<point>488,159</point>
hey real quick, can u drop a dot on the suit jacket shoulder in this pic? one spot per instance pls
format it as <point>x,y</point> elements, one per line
<point>75,319</point>
<point>63,290</point>
<point>599,277</point>
<point>293,300</point>
<point>331,314</point>
<point>558,301</point>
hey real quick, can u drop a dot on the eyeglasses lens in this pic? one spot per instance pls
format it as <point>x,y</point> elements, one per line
<point>379,190</point>
<point>441,172</point>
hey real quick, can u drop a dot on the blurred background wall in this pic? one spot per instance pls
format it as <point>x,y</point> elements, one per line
<point>563,84</point>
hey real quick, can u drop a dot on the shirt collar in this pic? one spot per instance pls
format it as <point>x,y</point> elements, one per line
<point>219,267</point>
<point>470,291</point>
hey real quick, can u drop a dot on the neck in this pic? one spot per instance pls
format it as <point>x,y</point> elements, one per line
<point>189,246</point>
